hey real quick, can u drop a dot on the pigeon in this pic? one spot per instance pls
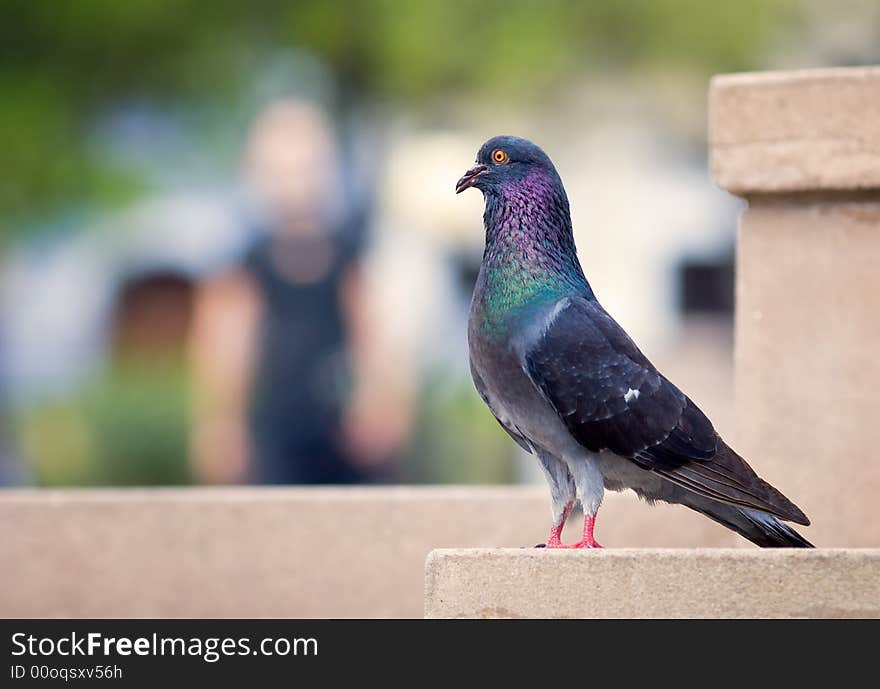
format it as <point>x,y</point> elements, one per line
<point>568,384</point>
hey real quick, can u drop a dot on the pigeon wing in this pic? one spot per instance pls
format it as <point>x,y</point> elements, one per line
<point>610,397</point>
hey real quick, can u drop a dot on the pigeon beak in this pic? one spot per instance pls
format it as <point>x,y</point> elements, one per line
<point>469,178</point>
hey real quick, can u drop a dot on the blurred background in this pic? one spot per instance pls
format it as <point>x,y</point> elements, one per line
<point>230,251</point>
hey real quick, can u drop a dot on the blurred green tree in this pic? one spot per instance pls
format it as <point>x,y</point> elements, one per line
<point>127,427</point>
<point>63,63</point>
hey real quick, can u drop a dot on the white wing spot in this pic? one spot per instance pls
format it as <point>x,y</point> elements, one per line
<point>630,395</point>
<point>557,309</point>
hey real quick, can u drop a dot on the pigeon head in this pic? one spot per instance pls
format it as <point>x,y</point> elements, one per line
<point>529,242</point>
<point>508,163</point>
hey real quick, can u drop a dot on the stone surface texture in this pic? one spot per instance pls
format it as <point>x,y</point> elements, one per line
<point>704,583</point>
<point>791,131</point>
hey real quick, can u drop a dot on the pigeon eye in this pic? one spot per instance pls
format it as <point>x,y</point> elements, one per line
<point>499,156</point>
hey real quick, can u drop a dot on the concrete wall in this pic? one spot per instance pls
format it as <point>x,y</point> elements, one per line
<point>242,552</point>
<point>653,583</point>
<point>804,149</point>
<point>275,552</point>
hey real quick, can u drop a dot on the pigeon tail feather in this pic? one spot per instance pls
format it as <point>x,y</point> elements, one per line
<point>727,477</point>
<point>760,528</point>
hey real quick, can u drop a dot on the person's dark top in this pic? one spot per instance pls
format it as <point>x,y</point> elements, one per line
<point>303,374</point>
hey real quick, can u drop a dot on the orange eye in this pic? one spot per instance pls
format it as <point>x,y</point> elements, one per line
<point>499,156</point>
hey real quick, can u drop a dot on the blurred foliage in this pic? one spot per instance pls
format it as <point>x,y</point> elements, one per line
<point>476,452</point>
<point>130,427</point>
<point>64,63</point>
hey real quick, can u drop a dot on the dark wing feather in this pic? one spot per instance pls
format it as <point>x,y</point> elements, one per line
<point>610,397</point>
<point>729,478</point>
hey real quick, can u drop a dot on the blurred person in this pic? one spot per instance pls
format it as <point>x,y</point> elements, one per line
<point>289,362</point>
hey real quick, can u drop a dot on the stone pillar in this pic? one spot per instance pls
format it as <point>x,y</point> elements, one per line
<point>803,149</point>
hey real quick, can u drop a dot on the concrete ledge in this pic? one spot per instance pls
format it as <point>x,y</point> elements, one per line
<point>653,583</point>
<point>796,131</point>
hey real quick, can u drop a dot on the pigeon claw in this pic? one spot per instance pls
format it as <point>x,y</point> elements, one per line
<point>572,546</point>
<point>585,544</point>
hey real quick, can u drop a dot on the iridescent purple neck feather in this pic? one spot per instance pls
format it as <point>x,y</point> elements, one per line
<point>530,254</point>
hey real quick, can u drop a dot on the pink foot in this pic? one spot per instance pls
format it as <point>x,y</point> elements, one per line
<point>553,543</point>
<point>588,541</point>
<point>586,544</point>
<point>580,544</point>
<point>555,540</point>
